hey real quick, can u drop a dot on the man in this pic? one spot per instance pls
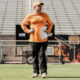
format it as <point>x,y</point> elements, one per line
<point>77,55</point>
<point>36,21</point>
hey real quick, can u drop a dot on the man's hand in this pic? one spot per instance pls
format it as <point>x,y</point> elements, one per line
<point>45,31</point>
<point>31,30</point>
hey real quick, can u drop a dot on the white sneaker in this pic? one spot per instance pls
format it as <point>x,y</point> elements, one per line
<point>44,75</point>
<point>35,75</point>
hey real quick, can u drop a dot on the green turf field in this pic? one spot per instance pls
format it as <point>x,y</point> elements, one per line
<point>24,72</point>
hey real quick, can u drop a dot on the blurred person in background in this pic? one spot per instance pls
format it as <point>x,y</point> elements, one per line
<point>56,50</point>
<point>65,52</point>
<point>77,54</point>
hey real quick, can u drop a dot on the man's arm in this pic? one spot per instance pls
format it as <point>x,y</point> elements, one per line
<point>50,24</point>
<point>24,24</point>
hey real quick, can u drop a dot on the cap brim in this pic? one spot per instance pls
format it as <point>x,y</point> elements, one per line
<point>42,3</point>
<point>38,4</point>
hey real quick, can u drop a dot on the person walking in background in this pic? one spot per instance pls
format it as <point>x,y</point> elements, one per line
<point>37,20</point>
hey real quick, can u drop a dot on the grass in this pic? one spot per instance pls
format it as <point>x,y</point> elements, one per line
<point>25,72</point>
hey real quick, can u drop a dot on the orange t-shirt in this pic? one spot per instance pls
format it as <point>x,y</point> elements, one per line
<point>37,21</point>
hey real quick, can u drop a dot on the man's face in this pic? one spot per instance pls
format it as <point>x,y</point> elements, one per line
<point>78,56</point>
<point>38,7</point>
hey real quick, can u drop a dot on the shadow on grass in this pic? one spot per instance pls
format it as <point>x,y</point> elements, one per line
<point>63,77</point>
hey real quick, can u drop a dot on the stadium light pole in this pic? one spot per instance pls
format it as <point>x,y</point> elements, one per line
<point>1,52</point>
<point>74,53</point>
<point>59,50</point>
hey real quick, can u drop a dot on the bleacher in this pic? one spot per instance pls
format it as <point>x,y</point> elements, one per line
<point>65,14</point>
<point>11,13</point>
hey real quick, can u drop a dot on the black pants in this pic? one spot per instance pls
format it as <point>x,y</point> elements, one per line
<point>36,47</point>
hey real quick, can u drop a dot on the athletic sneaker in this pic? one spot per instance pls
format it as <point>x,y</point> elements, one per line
<point>35,75</point>
<point>44,75</point>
